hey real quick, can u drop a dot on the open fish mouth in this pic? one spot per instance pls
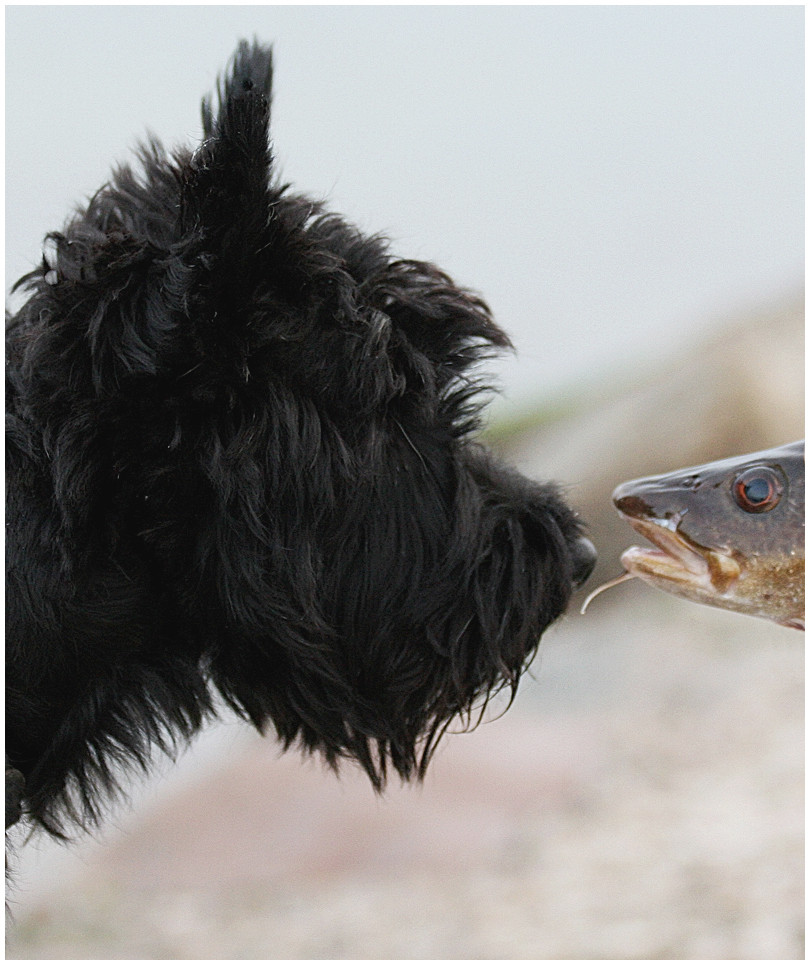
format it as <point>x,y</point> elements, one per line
<point>674,558</point>
<point>674,563</point>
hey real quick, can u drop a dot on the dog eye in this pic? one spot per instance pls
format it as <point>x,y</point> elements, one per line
<point>757,490</point>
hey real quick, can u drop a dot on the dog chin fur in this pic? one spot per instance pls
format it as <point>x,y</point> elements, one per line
<point>242,460</point>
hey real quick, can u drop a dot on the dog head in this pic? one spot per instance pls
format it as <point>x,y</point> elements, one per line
<point>267,424</point>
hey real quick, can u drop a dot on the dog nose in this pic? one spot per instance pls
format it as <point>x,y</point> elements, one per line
<point>583,554</point>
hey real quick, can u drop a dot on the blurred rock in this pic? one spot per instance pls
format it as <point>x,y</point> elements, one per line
<point>740,391</point>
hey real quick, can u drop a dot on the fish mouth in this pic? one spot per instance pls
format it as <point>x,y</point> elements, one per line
<point>674,558</point>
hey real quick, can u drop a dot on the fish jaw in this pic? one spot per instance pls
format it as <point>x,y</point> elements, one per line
<point>677,565</point>
<point>761,587</point>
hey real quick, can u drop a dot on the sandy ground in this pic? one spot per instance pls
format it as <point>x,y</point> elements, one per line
<point>642,799</point>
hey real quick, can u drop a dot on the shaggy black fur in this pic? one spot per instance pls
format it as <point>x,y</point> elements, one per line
<point>240,459</point>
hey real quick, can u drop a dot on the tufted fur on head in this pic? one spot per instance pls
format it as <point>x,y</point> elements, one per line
<point>242,459</point>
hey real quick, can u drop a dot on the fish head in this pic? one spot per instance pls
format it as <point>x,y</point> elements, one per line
<point>728,534</point>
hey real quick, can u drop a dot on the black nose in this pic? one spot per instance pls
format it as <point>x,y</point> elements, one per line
<point>583,554</point>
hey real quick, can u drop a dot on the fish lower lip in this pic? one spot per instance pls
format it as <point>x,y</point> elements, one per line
<point>648,563</point>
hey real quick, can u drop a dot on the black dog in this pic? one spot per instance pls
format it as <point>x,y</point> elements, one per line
<point>240,460</point>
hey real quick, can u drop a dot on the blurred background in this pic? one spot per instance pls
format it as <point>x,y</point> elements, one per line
<point>624,185</point>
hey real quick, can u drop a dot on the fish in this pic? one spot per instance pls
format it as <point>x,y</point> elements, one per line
<point>727,534</point>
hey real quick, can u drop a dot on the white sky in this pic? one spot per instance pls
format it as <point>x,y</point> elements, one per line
<point>613,180</point>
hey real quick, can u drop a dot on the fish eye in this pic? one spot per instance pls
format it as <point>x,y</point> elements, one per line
<point>758,489</point>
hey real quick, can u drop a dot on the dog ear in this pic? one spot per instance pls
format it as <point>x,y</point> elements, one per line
<point>251,73</point>
<point>225,199</point>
